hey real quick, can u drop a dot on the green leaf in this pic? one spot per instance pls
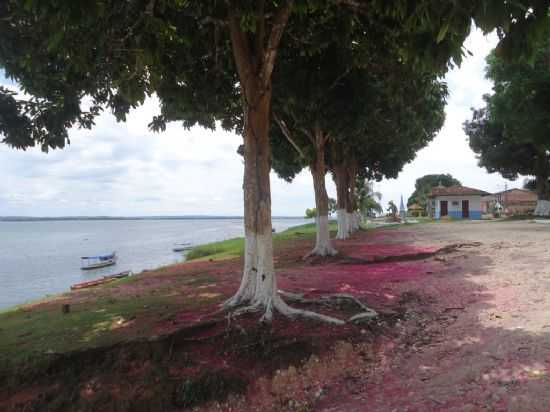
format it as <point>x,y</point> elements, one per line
<point>55,40</point>
<point>442,32</point>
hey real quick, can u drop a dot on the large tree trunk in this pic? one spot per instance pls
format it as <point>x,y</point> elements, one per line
<point>323,246</point>
<point>543,190</point>
<point>258,285</point>
<point>351,206</point>
<point>255,63</point>
<point>341,181</point>
<point>255,60</point>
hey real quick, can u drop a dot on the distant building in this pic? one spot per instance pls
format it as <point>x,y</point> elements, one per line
<point>513,201</point>
<point>458,202</point>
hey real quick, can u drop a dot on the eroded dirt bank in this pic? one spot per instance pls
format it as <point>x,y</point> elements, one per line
<point>465,329</point>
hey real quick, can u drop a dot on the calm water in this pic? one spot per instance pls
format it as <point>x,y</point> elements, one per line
<point>39,258</point>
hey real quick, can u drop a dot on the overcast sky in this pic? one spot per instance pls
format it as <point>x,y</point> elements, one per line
<point>124,169</point>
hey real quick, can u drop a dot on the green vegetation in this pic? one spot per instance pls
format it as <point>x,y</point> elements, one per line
<point>231,248</point>
<point>424,185</point>
<point>311,213</point>
<point>27,335</point>
<point>510,133</point>
<point>31,334</point>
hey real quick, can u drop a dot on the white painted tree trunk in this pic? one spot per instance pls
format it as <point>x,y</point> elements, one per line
<point>350,222</point>
<point>343,230</point>
<point>356,220</point>
<point>543,208</point>
<point>323,245</point>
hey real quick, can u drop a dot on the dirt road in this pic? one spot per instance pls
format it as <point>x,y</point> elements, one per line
<point>485,344</point>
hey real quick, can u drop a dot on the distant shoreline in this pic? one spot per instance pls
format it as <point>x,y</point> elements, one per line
<point>73,218</point>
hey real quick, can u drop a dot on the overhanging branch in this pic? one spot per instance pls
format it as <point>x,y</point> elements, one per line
<point>288,134</point>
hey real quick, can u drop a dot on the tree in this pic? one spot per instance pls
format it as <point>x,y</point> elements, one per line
<point>207,62</point>
<point>311,213</point>
<point>314,100</point>
<point>392,210</point>
<point>510,134</point>
<point>409,112</point>
<point>531,184</point>
<point>423,186</point>
<point>368,199</point>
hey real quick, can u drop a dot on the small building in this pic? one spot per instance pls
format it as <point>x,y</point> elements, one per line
<point>458,202</point>
<point>416,210</point>
<point>513,201</point>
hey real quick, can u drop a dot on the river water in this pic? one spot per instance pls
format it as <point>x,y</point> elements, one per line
<point>43,257</point>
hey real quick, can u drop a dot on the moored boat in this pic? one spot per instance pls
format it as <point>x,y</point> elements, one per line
<point>100,261</point>
<point>101,281</point>
<point>181,247</point>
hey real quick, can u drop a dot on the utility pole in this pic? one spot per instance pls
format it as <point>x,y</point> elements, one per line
<point>505,196</point>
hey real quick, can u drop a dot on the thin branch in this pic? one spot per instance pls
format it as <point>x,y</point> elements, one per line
<point>241,51</point>
<point>308,135</point>
<point>337,80</point>
<point>288,134</point>
<point>260,26</point>
<point>354,5</point>
<point>277,30</point>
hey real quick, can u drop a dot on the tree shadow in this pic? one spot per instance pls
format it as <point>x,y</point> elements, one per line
<point>476,337</point>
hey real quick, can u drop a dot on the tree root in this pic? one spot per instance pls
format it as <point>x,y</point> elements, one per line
<point>410,256</point>
<point>337,298</point>
<point>323,252</point>
<point>273,304</point>
<point>279,305</point>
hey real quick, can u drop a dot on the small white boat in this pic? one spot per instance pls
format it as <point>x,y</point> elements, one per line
<point>180,247</point>
<point>100,261</point>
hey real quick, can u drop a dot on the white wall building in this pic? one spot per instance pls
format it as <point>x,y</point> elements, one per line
<point>458,202</point>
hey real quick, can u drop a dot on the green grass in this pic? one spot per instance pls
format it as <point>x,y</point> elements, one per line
<point>231,248</point>
<point>27,334</point>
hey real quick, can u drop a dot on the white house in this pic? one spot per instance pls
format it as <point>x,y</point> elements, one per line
<point>458,202</point>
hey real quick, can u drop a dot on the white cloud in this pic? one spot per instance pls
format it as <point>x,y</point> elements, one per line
<point>124,169</point>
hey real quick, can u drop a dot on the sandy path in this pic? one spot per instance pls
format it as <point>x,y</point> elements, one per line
<point>485,341</point>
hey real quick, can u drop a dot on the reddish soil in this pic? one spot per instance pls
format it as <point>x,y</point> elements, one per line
<point>465,330</point>
<point>486,344</point>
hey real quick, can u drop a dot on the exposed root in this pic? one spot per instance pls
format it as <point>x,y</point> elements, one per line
<point>246,309</point>
<point>410,256</point>
<point>337,298</point>
<point>363,317</point>
<point>322,251</point>
<point>269,306</point>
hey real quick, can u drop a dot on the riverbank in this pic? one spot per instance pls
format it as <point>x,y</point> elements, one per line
<point>42,257</point>
<point>106,314</point>
<point>42,348</point>
<point>458,305</point>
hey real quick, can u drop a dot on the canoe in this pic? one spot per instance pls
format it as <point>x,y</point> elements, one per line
<point>91,283</point>
<point>181,247</point>
<point>101,281</point>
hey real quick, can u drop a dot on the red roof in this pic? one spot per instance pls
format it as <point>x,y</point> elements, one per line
<point>514,196</point>
<point>455,191</point>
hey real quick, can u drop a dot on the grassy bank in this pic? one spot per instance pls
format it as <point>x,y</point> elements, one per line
<point>122,310</point>
<point>231,248</point>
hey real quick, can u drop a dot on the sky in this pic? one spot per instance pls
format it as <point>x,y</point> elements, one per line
<point>123,169</point>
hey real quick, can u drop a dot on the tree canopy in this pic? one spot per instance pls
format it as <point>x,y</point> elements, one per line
<point>209,62</point>
<point>510,134</point>
<point>423,186</point>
